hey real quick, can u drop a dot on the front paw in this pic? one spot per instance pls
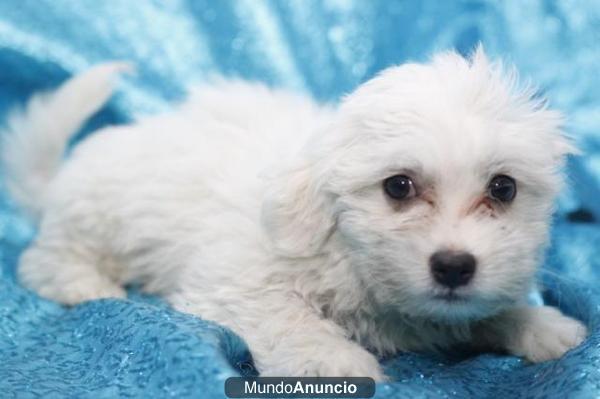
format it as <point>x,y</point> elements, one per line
<point>356,362</point>
<point>343,361</point>
<point>544,333</point>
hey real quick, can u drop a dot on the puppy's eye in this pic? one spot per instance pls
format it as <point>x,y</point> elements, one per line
<point>502,188</point>
<point>399,187</point>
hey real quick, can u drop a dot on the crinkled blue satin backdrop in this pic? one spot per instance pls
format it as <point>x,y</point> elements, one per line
<point>140,348</point>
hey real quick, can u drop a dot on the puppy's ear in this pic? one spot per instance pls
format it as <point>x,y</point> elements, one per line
<point>295,214</point>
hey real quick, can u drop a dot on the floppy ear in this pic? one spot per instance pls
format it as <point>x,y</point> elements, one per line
<point>294,213</point>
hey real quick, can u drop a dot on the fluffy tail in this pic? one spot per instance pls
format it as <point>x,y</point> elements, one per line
<point>36,136</point>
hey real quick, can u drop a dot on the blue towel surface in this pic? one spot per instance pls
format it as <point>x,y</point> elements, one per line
<point>140,347</point>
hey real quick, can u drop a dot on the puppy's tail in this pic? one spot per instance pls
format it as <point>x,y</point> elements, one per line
<point>34,140</point>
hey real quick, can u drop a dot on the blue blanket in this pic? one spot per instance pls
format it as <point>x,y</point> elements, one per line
<point>140,347</point>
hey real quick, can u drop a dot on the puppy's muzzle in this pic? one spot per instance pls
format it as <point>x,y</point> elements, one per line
<point>452,269</point>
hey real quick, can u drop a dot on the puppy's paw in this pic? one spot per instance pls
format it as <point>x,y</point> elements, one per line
<point>358,363</point>
<point>82,291</point>
<point>545,334</point>
<point>338,361</point>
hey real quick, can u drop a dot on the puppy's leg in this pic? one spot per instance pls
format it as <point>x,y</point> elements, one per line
<point>314,348</point>
<point>287,338</point>
<point>535,333</point>
<point>66,271</point>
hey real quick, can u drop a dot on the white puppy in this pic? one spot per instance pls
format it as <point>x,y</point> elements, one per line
<point>411,217</point>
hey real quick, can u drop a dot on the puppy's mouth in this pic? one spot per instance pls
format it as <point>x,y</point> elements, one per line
<point>457,306</point>
<point>451,297</point>
<point>451,306</point>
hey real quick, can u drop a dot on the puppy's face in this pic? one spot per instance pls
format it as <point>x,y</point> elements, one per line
<point>438,185</point>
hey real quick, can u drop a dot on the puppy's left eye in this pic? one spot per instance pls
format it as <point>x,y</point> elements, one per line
<point>502,188</point>
<point>399,187</point>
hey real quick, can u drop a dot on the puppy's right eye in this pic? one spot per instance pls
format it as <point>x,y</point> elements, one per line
<point>399,187</point>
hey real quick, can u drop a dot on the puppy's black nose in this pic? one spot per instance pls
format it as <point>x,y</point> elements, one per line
<point>452,269</point>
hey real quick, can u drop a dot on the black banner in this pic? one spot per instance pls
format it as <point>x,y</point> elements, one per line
<point>299,387</point>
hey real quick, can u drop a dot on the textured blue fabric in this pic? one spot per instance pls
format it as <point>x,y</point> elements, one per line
<point>141,348</point>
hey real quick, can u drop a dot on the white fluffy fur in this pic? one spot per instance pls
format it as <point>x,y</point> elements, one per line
<point>264,211</point>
